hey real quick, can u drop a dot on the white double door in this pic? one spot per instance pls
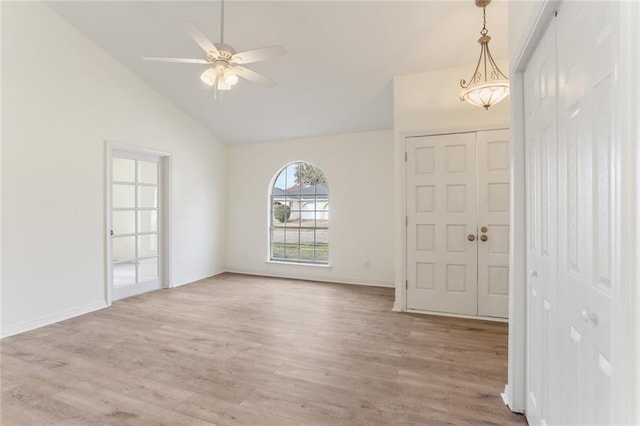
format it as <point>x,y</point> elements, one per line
<point>136,223</point>
<point>571,190</point>
<point>458,223</point>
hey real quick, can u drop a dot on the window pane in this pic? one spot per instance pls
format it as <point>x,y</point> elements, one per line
<point>124,222</point>
<point>147,269</point>
<point>123,170</point>
<point>294,222</point>
<point>124,248</point>
<point>148,196</point>
<point>124,196</point>
<point>148,245</point>
<point>281,213</point>
<point>277,243</point>
<point>307,245</point>
<point>291,243</point>
<point>148,221</point>
<point>322,245</point>
<point>147,172</point>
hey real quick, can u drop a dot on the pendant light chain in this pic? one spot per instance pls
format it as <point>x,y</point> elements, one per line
<point>484,30</point>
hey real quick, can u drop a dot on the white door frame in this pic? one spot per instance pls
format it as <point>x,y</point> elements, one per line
<point>626,298</point>
<point>165,212</point>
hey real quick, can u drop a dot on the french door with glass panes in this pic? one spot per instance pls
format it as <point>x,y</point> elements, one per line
<point>135,235</point>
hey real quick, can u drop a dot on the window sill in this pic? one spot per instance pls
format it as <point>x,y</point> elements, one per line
<point>314,265</point>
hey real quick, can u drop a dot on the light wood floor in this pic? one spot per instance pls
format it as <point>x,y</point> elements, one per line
<point>247,350</point>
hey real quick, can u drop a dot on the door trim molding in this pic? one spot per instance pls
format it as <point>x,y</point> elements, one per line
<point>165,212</point>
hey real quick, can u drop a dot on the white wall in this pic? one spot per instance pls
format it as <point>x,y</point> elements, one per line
<point>359,171</point>
<point>424,104</point>
<point>430,102</point>
<point>62,98</point>
<point>522,16</point>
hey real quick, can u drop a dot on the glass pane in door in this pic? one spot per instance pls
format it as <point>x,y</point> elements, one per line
<point>148,269</point>
<point>124,222</point>
<point>148,220</point>
<point>124,273</point>
<point>147,172</point>
<point>124,170</point>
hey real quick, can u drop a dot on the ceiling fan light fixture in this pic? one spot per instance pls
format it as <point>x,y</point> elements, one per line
<point>230,77</point>
<point>488,85</point>
<point>209,77</point>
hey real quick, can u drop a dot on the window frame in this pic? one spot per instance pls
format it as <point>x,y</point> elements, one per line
<point>291,201</point>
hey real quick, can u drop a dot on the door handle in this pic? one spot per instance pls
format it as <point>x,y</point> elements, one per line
<point>484,238</point>
<point>111,232</point>
<point>590,316</point>
<point>471,237</point>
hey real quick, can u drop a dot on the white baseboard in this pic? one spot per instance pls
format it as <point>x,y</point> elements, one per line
<point>314,277</point>
<point>21,327</point>
<point>505,395</point>
<point>193,278</point>
<point>444,314</point>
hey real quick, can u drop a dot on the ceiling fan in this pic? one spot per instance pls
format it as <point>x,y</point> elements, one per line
<point>224,64</point>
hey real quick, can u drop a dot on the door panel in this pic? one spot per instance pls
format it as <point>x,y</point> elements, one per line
<point>587,184</point>
<point>441,213</point>
<point>541,225</point>
<point>493,216</point>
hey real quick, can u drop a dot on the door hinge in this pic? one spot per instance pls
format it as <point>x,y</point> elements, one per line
<point>406,284</point>
<point>406,221</point>
<point>406,156</point>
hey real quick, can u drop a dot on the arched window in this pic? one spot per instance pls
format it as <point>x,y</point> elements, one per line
<point>300,215</point>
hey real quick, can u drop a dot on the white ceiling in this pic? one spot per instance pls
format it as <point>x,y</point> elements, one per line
<point>337,75</point>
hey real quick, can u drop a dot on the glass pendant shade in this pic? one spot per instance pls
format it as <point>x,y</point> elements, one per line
<point>209,77</point>
<point>230,77</point>
<point>486,94</point>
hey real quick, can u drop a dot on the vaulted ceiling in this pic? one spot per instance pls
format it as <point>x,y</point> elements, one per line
<point>337,76</point>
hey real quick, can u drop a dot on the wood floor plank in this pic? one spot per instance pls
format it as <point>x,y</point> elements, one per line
<point>244,350</point>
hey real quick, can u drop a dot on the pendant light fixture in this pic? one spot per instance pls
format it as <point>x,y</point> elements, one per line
<point>488,85</point>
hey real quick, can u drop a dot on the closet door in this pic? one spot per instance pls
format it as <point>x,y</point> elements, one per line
<point>570,145</point>
<point>441,224</point>
<point>493,223</point>
<point>586,194</point>
<point>541,224</point>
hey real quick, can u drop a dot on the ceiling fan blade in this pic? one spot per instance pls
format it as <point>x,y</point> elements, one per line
<point>258,54</point>
<point>253,76</point>
<point>176,60</point>
<point>198,36</point>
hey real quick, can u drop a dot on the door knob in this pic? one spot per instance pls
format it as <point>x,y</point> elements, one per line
<point>484,237</point>
<point>484,229</point>
<point>590,316</point>
<point>471,237</point>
